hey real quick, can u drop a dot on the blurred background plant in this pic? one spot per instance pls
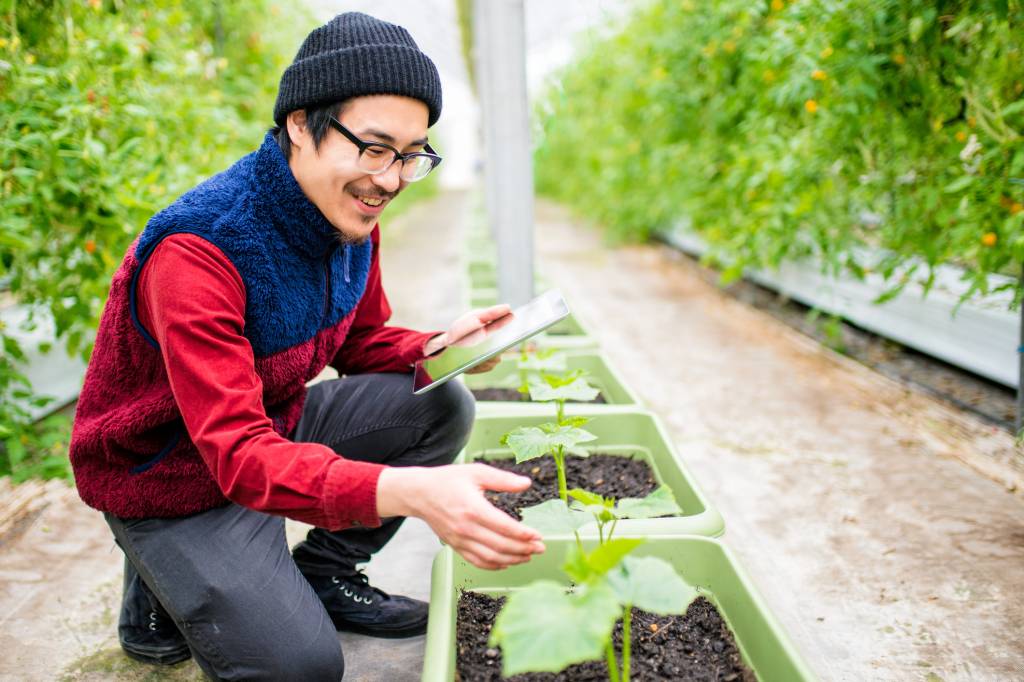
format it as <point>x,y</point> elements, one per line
<point>871,135</point>
<point>109,110</point>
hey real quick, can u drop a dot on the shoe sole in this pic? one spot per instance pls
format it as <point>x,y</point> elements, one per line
<point>157,656</point>
<point>413,630</point>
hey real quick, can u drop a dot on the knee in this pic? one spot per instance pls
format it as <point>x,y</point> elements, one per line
<point>320,661</point>
<point>454,408</point>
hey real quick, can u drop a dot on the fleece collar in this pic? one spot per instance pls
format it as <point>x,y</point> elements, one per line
<point>280,198</point>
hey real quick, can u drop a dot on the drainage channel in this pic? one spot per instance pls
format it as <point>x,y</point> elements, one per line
<point>988,400</point>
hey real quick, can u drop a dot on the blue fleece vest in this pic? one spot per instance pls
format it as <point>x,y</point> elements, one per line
<point>299,277</point>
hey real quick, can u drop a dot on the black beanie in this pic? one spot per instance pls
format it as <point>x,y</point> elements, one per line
<point>355,54</point>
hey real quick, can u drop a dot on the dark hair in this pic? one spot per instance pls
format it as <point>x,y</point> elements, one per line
<point>317,121</point>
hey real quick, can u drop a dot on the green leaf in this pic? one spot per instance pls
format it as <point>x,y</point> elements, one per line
<point>578,389</point>
<point>958,185</point>
<point>542,628</point>
<point>574,421</point>
<point>530,442</point>
<point>548,362</point>
<point>586,497</point>
<point>659,503</point>
<point>582,567</point>
<point>554,517</point>
<point>650,584</point>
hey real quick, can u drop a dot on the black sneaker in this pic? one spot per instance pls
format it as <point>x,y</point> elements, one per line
<point>356,606</point>
<point>158,642</point>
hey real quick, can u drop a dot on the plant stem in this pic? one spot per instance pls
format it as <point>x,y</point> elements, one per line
<point>563,489</point>
<point>627,620</point>
<point>600,532</point>
<point>560,411</point>
<point>613,665</point>
<point>612,530</point>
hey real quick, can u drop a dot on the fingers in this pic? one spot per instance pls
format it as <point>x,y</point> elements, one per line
<point>483,556</point>
<point>492,519</point>
<point>508,546</point>
<point>491,478</point>
<point>494,312</point>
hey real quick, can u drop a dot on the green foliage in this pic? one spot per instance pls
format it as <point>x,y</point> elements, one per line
<point>543,628</point>
<point>36,451</point>
<point>787,130</point>
<point>558,517</point>
<point>109,111</point>
<point>550,388</point>
<point>464,15</point>
<point>530,442</point>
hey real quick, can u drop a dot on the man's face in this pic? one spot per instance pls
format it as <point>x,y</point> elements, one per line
<point>330,176</point>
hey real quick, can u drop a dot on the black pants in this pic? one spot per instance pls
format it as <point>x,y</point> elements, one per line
<point>225,576</point>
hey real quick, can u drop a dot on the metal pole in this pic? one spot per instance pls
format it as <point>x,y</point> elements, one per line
<point>501,51</point>
<point>1020,369</point>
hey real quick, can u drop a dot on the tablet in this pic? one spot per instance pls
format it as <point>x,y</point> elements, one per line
<point>490,340</point>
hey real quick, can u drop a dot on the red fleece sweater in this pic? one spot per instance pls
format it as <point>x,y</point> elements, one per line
<point>210,367</point>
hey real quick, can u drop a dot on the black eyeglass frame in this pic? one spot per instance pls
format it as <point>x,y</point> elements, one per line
<point>429,153</point>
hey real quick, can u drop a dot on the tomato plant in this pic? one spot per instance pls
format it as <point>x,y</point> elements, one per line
<point>109,111</point>
<point>868,136</point>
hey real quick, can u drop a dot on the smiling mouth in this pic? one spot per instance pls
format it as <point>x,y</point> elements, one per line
<point>371,201</point>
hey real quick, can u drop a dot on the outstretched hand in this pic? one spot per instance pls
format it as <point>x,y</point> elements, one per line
<point>451,500</point>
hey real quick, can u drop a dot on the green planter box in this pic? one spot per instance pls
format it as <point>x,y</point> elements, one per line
<point>618,429</point>
<point>702,562</point>
<point>599,373</point>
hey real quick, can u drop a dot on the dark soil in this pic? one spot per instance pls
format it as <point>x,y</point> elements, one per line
<point>697,647</point>
<point>513,395</point>
<point>989,400</point>
<point>615,476</point>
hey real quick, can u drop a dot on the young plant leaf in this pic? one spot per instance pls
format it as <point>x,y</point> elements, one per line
<point>578,389</point>
<point>530,442</point>
<point>575,421</point>
<point>659,503</point>
<point>586,567</point>
<point>650,584</point>
<point>543,362</point>
<point>586,497</point>
<point>542,628</point>
<point>554,516</point>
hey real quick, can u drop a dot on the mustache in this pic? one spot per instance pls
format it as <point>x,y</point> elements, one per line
<point>373,193</point>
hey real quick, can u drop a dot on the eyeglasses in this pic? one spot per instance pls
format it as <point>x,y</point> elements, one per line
<point>377,157</point>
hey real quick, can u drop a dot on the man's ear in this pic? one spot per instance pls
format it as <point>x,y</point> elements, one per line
<point>298,133</point>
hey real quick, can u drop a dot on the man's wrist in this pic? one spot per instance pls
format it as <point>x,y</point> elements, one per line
<point>395,495</point>
<point>434,344</point>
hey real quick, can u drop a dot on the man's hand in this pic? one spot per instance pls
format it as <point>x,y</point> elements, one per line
<point>451,500</point>
<point>468,330</point>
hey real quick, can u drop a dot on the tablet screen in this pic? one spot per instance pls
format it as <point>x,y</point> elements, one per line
<point>485,343</point>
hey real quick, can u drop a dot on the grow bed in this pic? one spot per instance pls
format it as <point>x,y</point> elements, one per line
<point>620,431</point>
<point>599,373</point>
<point>702,562</point>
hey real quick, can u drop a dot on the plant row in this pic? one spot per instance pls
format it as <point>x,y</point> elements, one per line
<point>867,136</point>
<point>629,534</point>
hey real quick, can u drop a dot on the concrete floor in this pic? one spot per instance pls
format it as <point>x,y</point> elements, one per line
<point>851,501</point>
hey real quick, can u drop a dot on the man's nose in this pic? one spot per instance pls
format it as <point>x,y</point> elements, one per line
<point>389,179</point>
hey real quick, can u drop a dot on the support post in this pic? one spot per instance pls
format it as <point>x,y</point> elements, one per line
<point>1019,424</point>
<point>500,47</point>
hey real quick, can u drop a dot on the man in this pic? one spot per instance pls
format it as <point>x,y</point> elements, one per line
<point>194,432</point>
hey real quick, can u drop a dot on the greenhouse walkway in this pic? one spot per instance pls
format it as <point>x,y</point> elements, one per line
<point>846,497</point>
